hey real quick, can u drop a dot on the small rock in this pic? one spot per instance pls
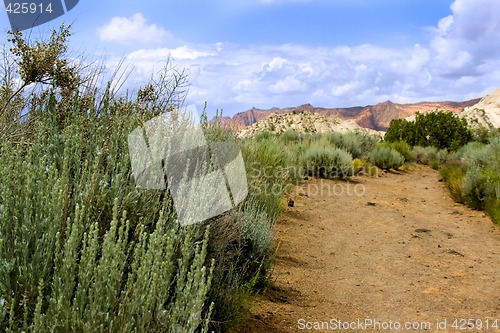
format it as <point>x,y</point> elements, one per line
<point>454,252</point>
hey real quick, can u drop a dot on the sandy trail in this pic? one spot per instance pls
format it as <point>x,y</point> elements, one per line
<point>394,249</point>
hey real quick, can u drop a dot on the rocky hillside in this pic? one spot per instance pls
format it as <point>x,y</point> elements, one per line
<point>376,117</point>
<point>303,121</point>
<point>485,113</point>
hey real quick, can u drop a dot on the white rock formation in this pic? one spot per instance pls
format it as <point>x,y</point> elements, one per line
<point>305,122</point>
<point>485,113</point>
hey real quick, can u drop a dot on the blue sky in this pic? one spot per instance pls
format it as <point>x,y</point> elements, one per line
<point>277,53</point>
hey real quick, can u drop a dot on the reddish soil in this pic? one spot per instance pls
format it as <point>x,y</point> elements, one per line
<point>394,249</point>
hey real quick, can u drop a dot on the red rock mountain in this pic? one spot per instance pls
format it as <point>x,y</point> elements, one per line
<point>375,117</point>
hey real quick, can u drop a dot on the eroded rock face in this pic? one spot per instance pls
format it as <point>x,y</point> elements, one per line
<point>304,122</point>
<point>485,113</point>
<point>376,117</point>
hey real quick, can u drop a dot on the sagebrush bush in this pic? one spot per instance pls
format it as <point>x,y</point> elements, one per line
<point>291,136</point>
<point>473,177</point>
<point>476,188</point>
<point>359,145</point>
<point>82,249</point>
<point>444,156</point>
<point>263,135</point>
<point>474,153</point>
<point>425,155</point>
<point>386,158</point>
<point>403,148</point>
<point>325,162</point>
<point>453,175</point>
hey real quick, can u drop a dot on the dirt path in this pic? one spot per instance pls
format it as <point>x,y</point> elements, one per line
<point>394,249</point>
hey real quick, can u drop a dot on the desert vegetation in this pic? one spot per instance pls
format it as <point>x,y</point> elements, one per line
<point>83,249</point>
<point>468,159</point>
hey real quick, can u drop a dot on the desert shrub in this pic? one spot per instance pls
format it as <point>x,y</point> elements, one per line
<point>357,144</point>
<point>318,136</point>
<point>327,162</point>
<point>263,135</point>
<point>83,249</point>
<point>335,138</point>
<point>358,165</point>
<point>444,156</point>
<point>434,164</point>
<point>90,251</point>
<point>291,136</point>
<point>473,181</point>
<point>386,158</point>
<point>440,129</point>
<point>453,175</point>
<point>425,155</point>
<point>403,148</point>
<point>476,188</point>
<point>363,167</point>
<point>473,153</point>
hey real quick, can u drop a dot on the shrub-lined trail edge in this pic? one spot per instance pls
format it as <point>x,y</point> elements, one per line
<point>403,251</point>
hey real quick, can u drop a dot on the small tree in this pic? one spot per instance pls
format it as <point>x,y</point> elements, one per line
<point>440,129</point>
<point>34,63</point>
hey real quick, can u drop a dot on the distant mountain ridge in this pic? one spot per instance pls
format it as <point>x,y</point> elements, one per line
<point>304,122</point>
<point>376,117</point>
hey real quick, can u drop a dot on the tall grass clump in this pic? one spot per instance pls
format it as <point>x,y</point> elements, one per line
<point>386,158</point>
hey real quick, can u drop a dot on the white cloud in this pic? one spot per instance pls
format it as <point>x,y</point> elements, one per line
<point>460,61</point>
<point>131,30</point>
<point>467,40</point>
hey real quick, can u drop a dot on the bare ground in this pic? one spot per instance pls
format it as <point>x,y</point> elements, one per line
<point>393,249</point>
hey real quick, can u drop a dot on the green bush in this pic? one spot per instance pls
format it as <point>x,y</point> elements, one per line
<point>425,155</point>
<point>263,135</point>
<point>325,162</point>
<point>357,144</point>
<point>473,177</point>
<point>444,156</point>
<point>476,188</point>
<point>386,158</point>
<point>83,250</point>
<point>441,129</point>
<point>403,148</point>
<point>453,175</point>
<point>290,136</point>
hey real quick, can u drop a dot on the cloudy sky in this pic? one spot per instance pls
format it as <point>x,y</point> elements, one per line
<point>265,53</point>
